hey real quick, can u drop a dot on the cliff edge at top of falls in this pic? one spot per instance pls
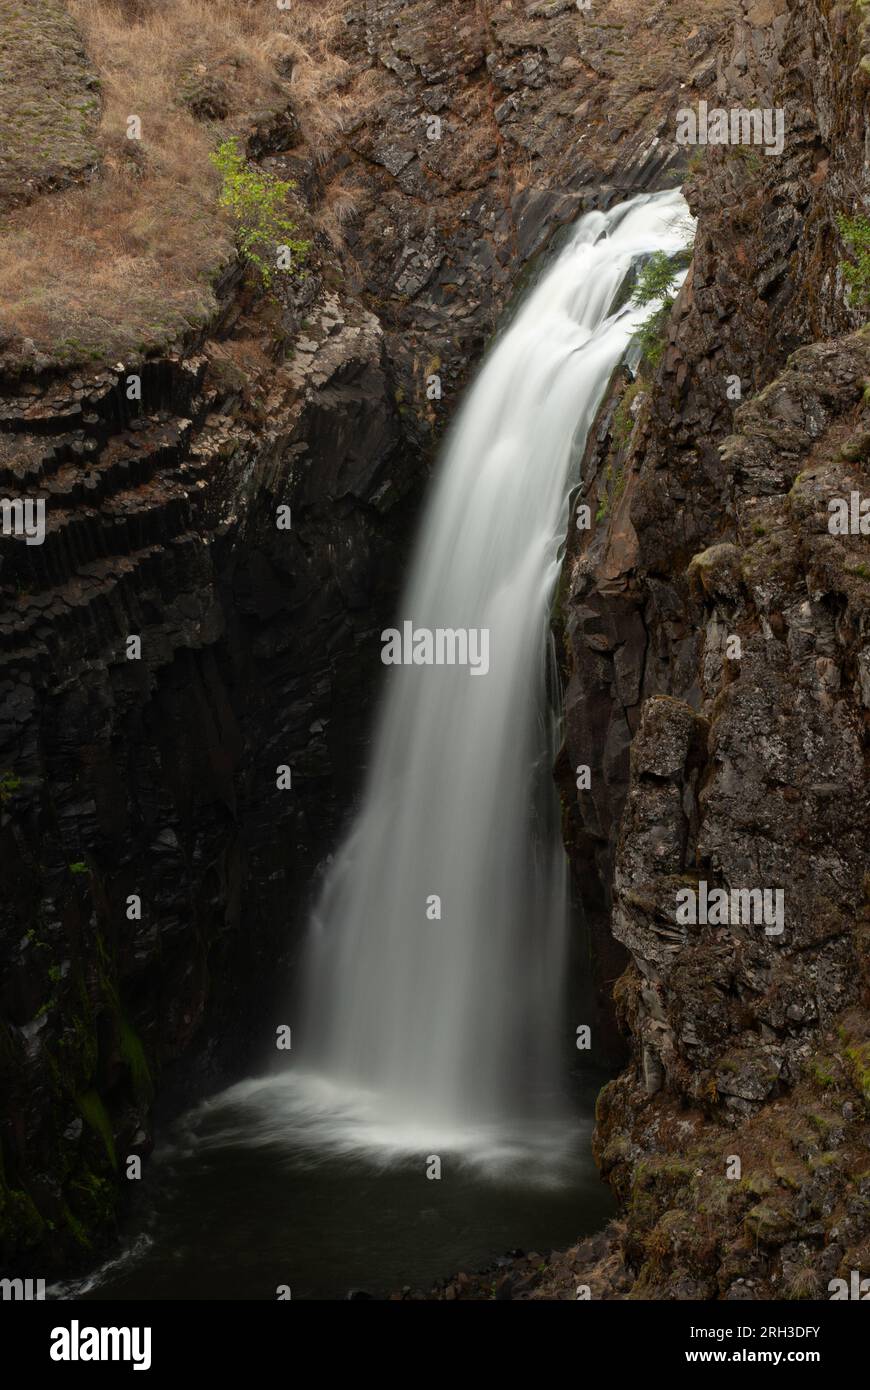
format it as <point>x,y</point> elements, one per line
<point>714,632</point>
<point>435,148</point>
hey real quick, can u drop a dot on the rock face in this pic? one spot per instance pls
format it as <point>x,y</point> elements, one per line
<point>152,873</point>
<point>716,640</point>
<point>171,646</point>
<point>495,124</point>
<point>167,649</point>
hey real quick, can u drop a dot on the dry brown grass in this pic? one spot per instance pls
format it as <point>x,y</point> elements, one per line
<point>328,95</point>
<point>343,203</point>
<point>127,262</point>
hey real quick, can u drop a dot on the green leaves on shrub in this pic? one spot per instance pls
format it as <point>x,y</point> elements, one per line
<point>257,202</point>
<point>654,279</point>
<point>653,285</point>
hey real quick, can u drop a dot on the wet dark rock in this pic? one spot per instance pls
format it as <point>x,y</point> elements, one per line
<point>151,777</point>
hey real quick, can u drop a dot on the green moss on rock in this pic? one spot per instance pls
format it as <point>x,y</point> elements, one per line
<point>133,1055</point>
<point>94,1112</point>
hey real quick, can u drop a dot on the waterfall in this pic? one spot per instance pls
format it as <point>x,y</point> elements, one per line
<point>454,1014</point>
<point>428,1026</point>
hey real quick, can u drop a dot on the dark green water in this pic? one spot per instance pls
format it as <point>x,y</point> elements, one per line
<point>244,1198</point>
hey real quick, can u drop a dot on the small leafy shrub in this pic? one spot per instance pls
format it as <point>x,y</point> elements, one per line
<point>623,419</point>
<point>257,202</point>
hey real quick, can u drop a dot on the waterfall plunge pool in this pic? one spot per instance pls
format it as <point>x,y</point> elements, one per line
<point>233,1206</point>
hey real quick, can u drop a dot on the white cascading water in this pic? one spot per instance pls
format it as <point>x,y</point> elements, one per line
<point>421,1035</point>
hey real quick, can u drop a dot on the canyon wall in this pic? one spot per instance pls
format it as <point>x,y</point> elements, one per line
<point>715,641</point>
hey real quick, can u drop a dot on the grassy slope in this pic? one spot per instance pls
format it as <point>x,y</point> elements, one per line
<point>126,261</point>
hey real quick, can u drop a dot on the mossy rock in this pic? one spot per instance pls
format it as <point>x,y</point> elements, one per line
<point>21,1226</point>
<point>759,1184</point>
<point>716,573</point>
<point>617,1151</point>
<point>790,1175</point>
<point>49,102</point>
<point>826,1123</point>
<point>656,1186</point>
<point>91,1203</point>
<point>823,1071</point>
<point>858,1058</point>
<point>830,1159</point>
<point>857,449</point>
<point>94,1112</point>
<point>133,1055</point>
<point>770,1224</point>
<point>206,96</point>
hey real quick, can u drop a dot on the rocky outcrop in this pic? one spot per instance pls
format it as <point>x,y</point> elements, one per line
<point>715,638</point>
<point>494,124</point>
